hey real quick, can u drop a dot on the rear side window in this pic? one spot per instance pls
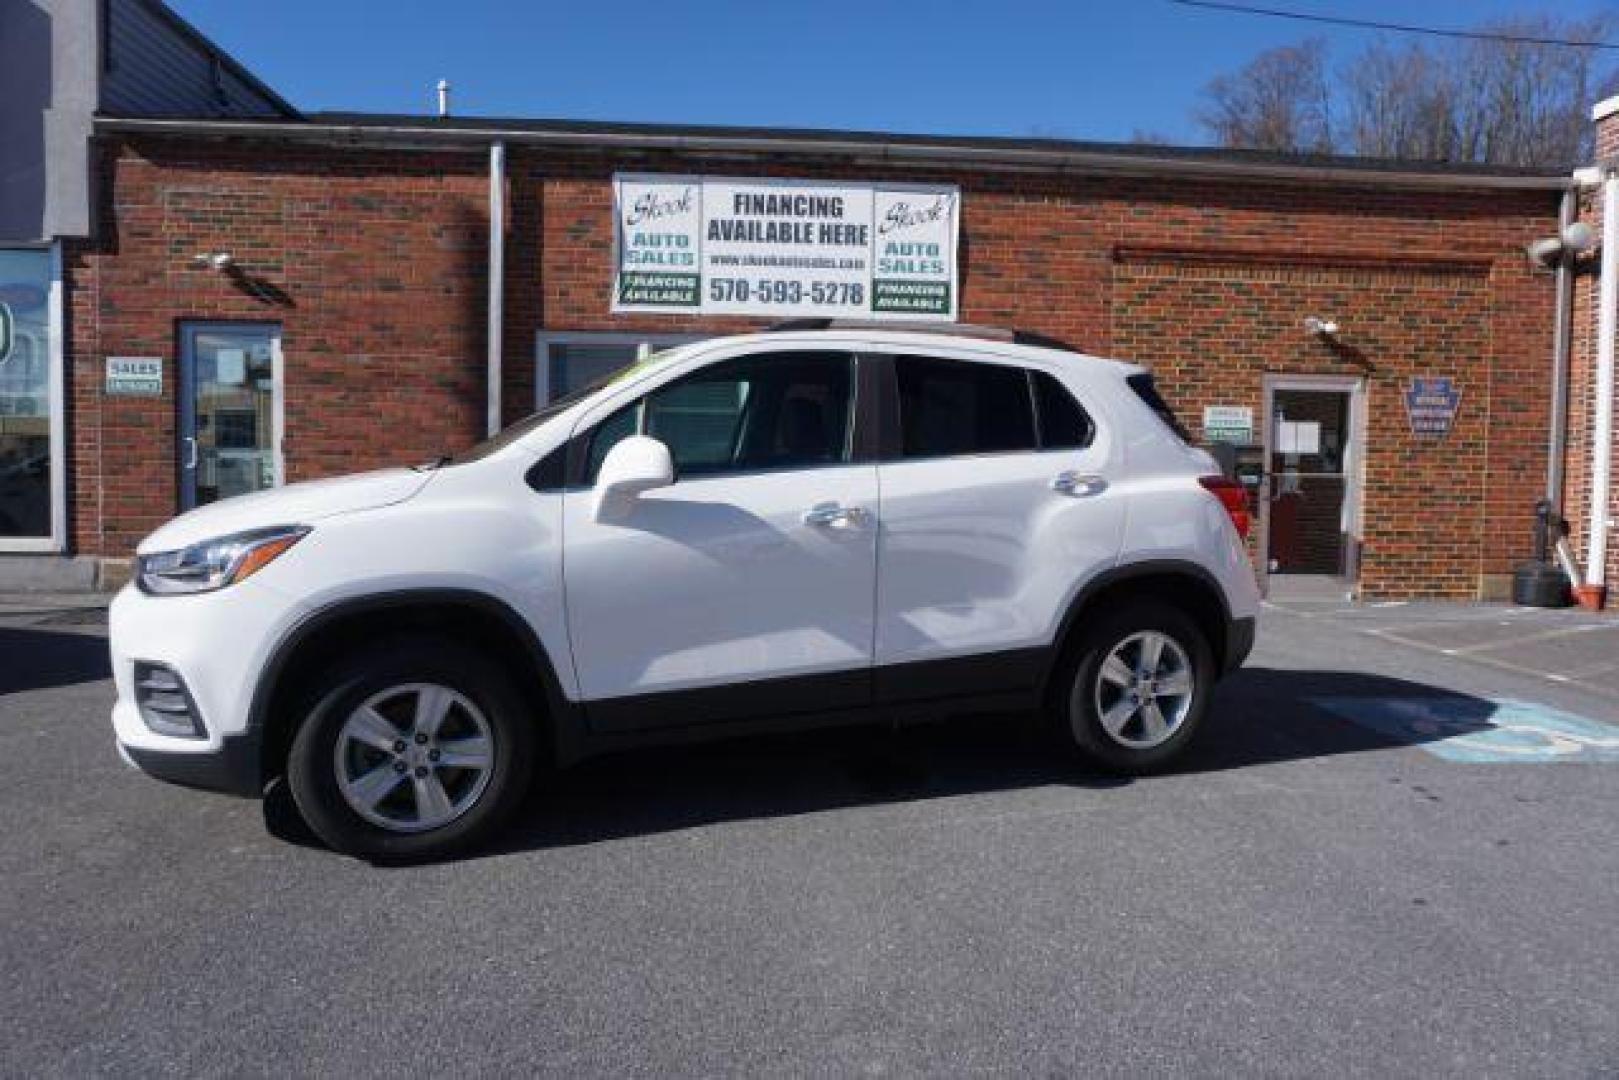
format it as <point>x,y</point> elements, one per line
<point>1064,424</point>
<point>1145,389</point>
<point>953,407</point>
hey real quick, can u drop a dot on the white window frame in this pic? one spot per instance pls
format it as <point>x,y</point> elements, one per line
<point>56,542</point>
<point>1352,514</point>
<point>546,340</point>
<point>185,386</point>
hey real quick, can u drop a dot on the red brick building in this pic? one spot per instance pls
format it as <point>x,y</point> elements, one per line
<point>1588,497</point>
<point>204,292</point>
<point>360,264</point>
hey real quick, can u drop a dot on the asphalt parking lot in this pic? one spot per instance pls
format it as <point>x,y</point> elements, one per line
<point>1393,850</point>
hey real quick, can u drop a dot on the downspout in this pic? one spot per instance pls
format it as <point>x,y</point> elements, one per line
<point>1562,343</point>
<point>1602,428</point>
<point>497,278</point>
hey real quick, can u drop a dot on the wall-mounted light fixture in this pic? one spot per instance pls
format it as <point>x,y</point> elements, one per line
<point>1577,239</point>
<point>219,260</point>
<point>1320,327</point>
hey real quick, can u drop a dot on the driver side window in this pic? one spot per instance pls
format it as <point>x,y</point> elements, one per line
<point>752,414</point>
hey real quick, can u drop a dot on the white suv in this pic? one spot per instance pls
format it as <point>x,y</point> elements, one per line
<point>768,531</point>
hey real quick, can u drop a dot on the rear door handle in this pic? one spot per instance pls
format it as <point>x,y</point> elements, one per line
<point>831,515</point>
<point>1078,483</point>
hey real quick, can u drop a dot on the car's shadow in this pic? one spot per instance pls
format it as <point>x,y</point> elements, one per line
<point>37,658</point>
<point>1259,716</point>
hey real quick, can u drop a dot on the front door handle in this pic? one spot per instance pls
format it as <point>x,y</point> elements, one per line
<point>191,452</point>
<point>831,515</point>
<point>1075,483</point>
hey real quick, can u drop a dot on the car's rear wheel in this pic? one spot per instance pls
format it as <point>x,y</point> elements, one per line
<point>1136,687</point>
<point>416,749</point>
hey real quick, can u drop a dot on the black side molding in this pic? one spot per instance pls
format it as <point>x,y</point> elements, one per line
<point>371,602</point>
<point>1013,672</point>
<point>1239,642</point>
<point>1224,650</point>
<point>793,695</point>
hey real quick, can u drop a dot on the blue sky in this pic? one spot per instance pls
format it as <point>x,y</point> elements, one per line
<point>1084,70</point>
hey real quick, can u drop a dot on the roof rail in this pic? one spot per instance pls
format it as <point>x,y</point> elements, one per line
<point>917,326</point>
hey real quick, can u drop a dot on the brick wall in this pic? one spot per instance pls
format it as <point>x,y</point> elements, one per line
<point>378,262</point>
<point>1583,380</point>
<point>373,265</point>
<point>1426,507</point>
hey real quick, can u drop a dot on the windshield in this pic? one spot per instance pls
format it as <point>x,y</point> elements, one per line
<point>513,432</point>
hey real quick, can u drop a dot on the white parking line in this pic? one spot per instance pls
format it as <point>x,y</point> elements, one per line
<point>1544,635</point>
<point>1491,661</point>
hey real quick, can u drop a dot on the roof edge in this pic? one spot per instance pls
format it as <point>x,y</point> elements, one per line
<point>914,150</point>
<point>184,28</point>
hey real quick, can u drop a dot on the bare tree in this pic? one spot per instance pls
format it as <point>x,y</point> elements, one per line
<point>1519,103</point>
<point>1489,101</point>
<point>1397,104</point>
<point>1279,101</point>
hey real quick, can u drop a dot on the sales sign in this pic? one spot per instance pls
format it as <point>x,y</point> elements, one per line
<point>1430,404</point>
<point>718,246</point>
<point>135,375</point>
<point>1228,424</point>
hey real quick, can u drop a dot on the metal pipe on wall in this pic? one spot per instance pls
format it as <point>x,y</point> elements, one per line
<point>1602,427</point>
<point>497,278</point>
<point>1562,344</point>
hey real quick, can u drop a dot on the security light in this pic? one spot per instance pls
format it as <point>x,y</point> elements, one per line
<point>1577,239</point>
<point>1580,237</point>
<point>1319,326</point>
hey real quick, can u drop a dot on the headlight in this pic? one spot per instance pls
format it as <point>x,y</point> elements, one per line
<point>213,564</point>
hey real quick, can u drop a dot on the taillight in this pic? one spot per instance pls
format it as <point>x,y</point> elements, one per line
<point>1234,497</point>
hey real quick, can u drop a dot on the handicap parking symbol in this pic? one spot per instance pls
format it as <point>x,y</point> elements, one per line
<point>1479,730</point>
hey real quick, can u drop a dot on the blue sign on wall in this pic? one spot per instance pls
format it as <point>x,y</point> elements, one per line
<point>1431,405</point>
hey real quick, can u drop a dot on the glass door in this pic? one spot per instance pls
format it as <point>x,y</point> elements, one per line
<point>1309,521</point>
<point>230,415</point>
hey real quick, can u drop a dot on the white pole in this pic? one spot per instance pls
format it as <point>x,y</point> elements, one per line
<point>497,277</point>
<point>444,97</point>
<point>1602,429</point>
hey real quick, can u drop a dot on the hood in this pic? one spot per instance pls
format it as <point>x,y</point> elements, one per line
<point>295,504</point>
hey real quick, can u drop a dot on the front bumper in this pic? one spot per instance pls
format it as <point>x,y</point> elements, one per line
<point>235,767</point>
<point>215,643</point>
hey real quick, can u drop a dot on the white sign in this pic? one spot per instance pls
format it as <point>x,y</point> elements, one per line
<point>719,246</point>
<point>137,375</point>
<point>230,366</point>
<point>1228,423</point>
<point>1301,437</point>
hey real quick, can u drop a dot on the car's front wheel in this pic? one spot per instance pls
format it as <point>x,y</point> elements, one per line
<point>415,749</point>
<point>1136,687</point>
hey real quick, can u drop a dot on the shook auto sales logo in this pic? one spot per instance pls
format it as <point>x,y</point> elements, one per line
<point>902,215</point>
<point>654,206</point>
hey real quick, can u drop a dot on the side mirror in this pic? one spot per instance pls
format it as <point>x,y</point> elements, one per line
<point>635,465</point>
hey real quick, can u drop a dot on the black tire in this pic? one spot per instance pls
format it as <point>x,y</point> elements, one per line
<point>1077,719</point>
<point>312,762</point>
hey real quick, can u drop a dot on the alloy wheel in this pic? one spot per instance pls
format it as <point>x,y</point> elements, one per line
<point>414,757</point>
<point>1144,689</point>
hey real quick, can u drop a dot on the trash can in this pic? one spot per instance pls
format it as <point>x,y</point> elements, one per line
<point>1541,582</point>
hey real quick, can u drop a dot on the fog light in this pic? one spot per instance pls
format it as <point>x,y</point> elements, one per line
<point>165,703</point>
